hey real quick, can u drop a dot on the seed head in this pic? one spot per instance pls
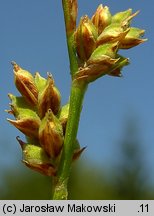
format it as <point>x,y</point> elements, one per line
<point>49,98</point>
<point>51,135</point>
<point>85,37</point>
<point>101,18</point>
<point>36,158</point>
<point>25,84</point>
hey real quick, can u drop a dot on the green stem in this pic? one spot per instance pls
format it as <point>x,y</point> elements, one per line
<point>70,29</point>
<point>72,55</point>
<point>76,99</point>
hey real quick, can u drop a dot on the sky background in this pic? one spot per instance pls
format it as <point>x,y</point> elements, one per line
<point>32,33</point>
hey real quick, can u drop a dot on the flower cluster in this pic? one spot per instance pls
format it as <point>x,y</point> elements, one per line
<point>39,115</point>
<point>38,112</point>
<point>98,40</point>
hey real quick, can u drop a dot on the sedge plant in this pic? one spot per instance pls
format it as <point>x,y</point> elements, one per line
<point>51,129</point>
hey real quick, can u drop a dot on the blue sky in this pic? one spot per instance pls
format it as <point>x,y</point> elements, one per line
<point>32,34</point>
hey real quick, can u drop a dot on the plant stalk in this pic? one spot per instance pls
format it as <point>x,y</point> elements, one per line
<point>70,26</point>
<point>76,99</point>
